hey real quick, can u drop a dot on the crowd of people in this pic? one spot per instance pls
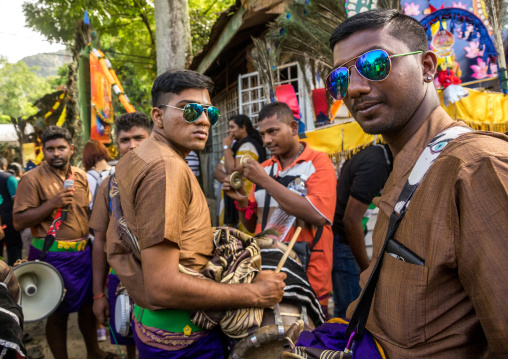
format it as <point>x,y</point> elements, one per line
<point>143,225</point>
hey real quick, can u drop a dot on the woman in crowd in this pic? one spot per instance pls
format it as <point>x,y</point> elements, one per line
<point>95,161</point>
<point>247,142</point>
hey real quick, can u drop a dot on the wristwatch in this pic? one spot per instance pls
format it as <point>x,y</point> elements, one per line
<point>225,147</point>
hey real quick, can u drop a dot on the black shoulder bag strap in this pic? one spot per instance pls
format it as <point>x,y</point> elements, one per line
<point>266,208</point>
<point>358,321</point>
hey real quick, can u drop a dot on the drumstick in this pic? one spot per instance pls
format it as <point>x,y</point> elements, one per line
<point>290,247</point>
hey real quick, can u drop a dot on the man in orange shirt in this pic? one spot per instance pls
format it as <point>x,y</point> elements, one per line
<point>278,186</point>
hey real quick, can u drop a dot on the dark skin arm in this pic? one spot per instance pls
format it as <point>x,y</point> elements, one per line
<point>166,287</point>
<point>219,174</point>
<point>354,231</point>
<point>289,201</point>
<point>34,216</point>
<point>243,202</point>
<point>231,164</point>
<point>100,270</point>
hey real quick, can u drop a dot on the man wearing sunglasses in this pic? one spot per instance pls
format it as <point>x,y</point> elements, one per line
<point>165,209</point>
<point>451,306</point>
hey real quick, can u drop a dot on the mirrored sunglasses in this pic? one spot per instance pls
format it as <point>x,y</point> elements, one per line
<point>374,65</point>
<point>193,111</point>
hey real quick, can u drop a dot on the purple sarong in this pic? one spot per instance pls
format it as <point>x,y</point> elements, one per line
<point>331,336</point>
<point>210,346</point>
<point>76,271</point>
<point>113,282</point>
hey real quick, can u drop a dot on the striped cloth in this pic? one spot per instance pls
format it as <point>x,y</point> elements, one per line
<point>298,291</point>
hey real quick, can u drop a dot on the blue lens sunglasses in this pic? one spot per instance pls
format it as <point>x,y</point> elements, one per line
<point>193,111</point>
<point>374,65</point>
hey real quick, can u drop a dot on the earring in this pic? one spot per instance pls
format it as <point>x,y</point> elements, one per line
<point>429,78</point>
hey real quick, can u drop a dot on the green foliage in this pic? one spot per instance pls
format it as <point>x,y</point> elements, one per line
<point>203,15</point>
<point>4,119</point>
<point>19,88</point>
<point>124,31</point>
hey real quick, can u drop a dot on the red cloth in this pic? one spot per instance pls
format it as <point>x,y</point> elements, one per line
<point>319,99</point>
<point>286,93</point>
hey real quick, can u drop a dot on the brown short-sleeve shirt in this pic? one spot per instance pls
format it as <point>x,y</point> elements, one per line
<point>42,184</point>
<point>99,220</point>
<point>161,200</point>
<point>454,306</point>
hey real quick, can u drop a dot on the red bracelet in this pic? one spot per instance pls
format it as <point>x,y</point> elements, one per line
<point>240,209</point>
<point>249,210</point>
<point>98,296</point>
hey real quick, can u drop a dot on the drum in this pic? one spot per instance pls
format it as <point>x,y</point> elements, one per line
<point>299,306</point>
<point>270,340</point>
<point>123,313</point>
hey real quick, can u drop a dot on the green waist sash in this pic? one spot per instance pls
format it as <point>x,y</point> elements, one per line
<point>61,246</point>
<point>174,321</point>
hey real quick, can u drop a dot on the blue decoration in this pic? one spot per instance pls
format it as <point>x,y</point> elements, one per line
<point>464,28</point>
<point>86,19</point>
<point>467,18</point>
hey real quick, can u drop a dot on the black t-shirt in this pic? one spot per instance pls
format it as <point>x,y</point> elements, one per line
<point>362,177</point>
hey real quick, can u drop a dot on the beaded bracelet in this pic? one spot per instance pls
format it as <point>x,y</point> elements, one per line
<point>99,296</point>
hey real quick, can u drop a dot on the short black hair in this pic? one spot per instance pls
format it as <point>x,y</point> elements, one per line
<point>54,132</point>
<point>402,26</point>
<point>280,109</point>
<point>244,121</point>
<point>128,120</point>
<point>176,81</point>
<point>15,168</point>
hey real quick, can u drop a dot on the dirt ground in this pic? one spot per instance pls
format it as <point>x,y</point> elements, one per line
<point>75,344</point>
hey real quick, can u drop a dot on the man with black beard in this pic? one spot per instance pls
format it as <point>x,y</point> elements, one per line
<point>39,203</point>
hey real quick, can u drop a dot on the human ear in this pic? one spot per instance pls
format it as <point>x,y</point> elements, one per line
<point>157,115</point>
<point>72,149</point>
<point>429,64</point>
<point>294,128</point>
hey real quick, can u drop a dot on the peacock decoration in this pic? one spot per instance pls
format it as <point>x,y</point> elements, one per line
<point>264,57</point>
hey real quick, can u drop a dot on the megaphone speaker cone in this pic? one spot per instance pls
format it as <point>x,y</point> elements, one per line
<point>42,289</point>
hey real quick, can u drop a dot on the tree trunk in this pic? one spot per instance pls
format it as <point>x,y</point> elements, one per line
<point>172,31</point>
<point>19,127</point>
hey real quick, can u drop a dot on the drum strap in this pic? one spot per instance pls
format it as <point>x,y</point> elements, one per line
<point>356,326</point>
<point>266,208</point>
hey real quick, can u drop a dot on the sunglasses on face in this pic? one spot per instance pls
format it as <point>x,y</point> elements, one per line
<point>373,65</point>
<point>193,111</point>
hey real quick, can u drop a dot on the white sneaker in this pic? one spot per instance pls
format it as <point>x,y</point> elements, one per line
<point>101,334</point>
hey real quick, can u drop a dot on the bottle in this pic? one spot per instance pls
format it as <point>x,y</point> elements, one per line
<point>298,185</point>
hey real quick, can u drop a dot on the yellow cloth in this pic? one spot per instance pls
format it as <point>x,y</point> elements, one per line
<point>341,140</point>
<point>487,111</point>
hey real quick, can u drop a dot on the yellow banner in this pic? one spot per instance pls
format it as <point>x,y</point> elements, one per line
<point>29,152</point>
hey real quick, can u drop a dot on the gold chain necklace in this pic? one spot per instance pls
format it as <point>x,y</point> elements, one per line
<point>297,155</point>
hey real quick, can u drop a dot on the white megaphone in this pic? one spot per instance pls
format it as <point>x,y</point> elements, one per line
<point>42,289</point>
